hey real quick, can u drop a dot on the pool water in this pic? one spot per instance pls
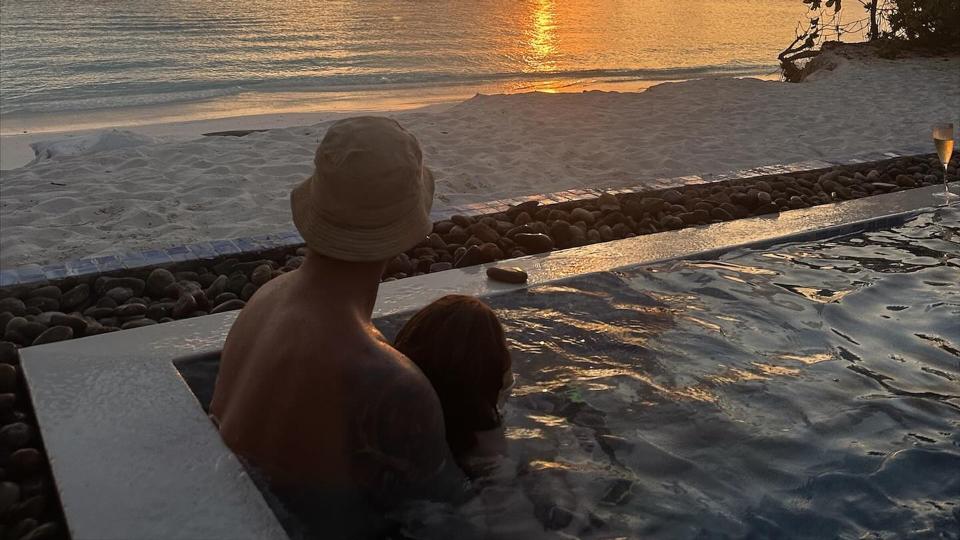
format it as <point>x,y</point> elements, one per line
<point>808,391</point>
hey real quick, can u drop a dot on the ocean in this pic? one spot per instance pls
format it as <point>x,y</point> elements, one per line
<point>63,60</point>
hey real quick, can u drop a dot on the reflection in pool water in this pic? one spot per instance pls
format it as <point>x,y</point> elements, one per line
<point>808,391</point>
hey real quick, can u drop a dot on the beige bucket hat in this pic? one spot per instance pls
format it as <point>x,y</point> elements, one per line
<point>369,198</point>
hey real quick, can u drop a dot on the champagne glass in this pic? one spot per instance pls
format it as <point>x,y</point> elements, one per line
<point>943,139</point>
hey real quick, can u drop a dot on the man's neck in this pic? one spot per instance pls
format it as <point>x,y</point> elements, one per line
<point>351,286</point>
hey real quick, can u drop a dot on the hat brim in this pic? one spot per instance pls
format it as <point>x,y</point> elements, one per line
<point>361,244</point>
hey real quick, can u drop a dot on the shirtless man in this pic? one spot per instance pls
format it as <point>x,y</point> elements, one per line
<point>309,392</point>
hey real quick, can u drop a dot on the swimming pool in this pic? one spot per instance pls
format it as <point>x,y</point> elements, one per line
<point>811,391</point>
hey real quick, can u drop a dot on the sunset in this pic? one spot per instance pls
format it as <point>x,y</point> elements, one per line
<point>493,269</point>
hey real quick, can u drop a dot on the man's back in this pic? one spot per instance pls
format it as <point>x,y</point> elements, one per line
<point>308,392</point>
<point>312,395</point>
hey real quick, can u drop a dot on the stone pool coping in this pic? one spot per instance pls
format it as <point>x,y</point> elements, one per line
<point>133,454</point>
<point>142,259</point>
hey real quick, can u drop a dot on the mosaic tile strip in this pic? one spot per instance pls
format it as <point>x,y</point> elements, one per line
<point>178,253</point>
<point>80,267</point>
<point>225,247</point>
<point>138,260</point>
<point>133,260</point>
<point>108,263</point>
<point>55,271</point>
<point>30,274</point>
<point>201,250</point>
<point>8,278</point>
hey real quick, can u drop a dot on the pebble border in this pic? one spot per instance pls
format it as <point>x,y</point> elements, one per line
<point>142,259</point>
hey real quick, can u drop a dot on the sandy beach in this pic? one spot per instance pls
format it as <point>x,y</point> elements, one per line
<point>488,147</point>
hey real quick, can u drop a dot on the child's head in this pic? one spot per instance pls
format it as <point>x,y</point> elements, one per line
<point>458,343</point>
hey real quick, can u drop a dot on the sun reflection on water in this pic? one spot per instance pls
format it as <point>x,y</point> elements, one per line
<point>542,41</point>
<point>542,464</point>
<point>809,359</point>
<point>821,295</point>
<point>548,420</point>
<point>523,433</point>
<point>771,369</point>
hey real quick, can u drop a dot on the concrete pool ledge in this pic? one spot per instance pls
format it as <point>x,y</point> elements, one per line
<point>134,456</point>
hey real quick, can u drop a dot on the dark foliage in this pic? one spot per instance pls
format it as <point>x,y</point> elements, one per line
<point>935,23</point>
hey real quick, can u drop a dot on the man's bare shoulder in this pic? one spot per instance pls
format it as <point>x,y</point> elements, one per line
<point>399,437</point>
<point>382,376</point>
<point>389,364</point>
<point>272,293</point>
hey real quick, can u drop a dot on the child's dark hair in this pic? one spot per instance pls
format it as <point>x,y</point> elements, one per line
<point>458,343</point>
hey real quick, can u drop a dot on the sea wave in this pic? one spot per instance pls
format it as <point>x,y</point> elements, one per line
<point>73,57</point>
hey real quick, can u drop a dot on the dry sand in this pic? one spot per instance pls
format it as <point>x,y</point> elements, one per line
<point>488,147</point>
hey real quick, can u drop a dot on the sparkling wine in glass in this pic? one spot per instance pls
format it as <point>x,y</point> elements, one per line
<point>943,140</point>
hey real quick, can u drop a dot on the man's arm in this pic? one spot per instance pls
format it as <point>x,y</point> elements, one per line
<point>401,447</point>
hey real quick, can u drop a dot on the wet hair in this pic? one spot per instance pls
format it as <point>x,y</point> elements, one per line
<point>458,343</point>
